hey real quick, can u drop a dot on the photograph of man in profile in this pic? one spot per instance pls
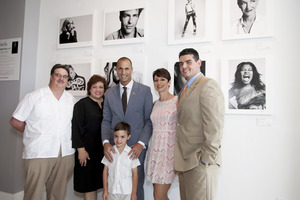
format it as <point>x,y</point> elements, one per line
<point>129,20</point>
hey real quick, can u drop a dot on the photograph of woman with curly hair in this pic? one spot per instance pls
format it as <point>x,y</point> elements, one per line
<point>248,90</point>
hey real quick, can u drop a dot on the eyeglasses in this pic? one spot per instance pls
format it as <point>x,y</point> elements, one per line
<point>59,76</point>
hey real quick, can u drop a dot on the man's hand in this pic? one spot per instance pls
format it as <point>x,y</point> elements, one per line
<point>135,151</point>
<point>108,148</point>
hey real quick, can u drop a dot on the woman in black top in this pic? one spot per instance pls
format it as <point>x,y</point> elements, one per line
<point>86,139</point>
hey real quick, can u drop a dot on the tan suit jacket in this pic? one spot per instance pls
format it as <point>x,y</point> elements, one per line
<point>200,119</point>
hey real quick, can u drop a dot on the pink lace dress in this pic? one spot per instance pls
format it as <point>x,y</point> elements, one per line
<point>161,151</point>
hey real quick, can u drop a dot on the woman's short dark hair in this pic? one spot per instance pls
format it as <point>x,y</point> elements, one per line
<point>95,79</point>
<point>57,66</point>
<point>122,126</point>
<point>162,72</point>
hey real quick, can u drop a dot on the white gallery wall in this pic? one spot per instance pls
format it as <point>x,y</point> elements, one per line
<point>261,158</point>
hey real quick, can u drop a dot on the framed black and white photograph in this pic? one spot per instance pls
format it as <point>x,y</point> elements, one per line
<point>245,85</point>
<point>75,31</point>
<point>109,69</point>
<point>124,26</point>
<point>80,71</point>
<point>244,19</point>
<point>187,21</point>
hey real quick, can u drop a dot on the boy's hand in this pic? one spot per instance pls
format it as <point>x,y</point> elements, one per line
<point>104,196</point>
<point>133,196</point>
<point>135,151</point>
<point>108,148</point>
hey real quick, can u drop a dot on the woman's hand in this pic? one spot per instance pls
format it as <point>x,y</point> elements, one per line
<point>83,155</point>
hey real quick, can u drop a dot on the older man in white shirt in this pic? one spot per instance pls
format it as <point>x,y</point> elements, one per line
<point>44,116</point>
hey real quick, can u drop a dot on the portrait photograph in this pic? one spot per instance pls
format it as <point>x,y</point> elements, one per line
<point>187,21</point>
<point>245,86</point>
<point>124,26</point>
<point>244,19</point>
<point>76,31</point>
<point>109,70</point>
<point>79,76</point>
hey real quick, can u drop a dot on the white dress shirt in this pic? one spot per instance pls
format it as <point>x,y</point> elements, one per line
<point>120,171</point>
<point>48,123</point>
<point>129,87</point>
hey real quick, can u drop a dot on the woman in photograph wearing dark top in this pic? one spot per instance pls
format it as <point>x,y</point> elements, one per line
<point>68,32</point>
<point>86,139</point>
<point>248,90</point>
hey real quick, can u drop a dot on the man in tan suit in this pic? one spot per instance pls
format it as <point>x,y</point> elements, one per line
<point>200,118</point>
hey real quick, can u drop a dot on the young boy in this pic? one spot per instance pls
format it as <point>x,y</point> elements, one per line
<point>120,177</point>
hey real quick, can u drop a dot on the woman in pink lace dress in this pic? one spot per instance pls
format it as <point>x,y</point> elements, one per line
<point>160,170</point>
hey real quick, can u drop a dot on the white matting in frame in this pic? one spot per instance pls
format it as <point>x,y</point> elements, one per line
<point>109,64</point>
<point>246,86</point>
<point>75,31</point>
<point>80,73</point>
<point>233,25</point>
<point>187,22</point>
<point>134,23</point>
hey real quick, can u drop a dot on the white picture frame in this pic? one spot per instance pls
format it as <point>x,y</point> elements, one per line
<point>231,21</point>
<point>112,24</point>
<point>246,100</point>
<point>177,18</point>
<point>84,27</point>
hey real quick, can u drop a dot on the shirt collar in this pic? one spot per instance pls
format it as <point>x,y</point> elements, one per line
<point>126,149</point>
<point>258,18</point>
<point>192,79</point>
<point>129,85</point>
<point>121,36</point>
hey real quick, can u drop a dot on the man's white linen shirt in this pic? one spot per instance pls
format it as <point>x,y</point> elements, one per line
<point>120,171</point>
<point>48,123</point>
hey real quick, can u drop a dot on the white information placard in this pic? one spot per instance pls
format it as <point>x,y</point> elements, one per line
<point>10,51</point>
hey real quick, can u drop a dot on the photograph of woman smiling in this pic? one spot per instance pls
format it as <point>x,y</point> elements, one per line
<point>247,91</point>
<point>250,22</point>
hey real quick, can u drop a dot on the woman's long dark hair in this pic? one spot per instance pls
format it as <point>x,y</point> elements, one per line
<point>255,82</point>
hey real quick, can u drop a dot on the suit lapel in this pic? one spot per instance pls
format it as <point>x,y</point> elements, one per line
<point>132,97</point>
<point>118,99</point>
<point>188,92</point>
